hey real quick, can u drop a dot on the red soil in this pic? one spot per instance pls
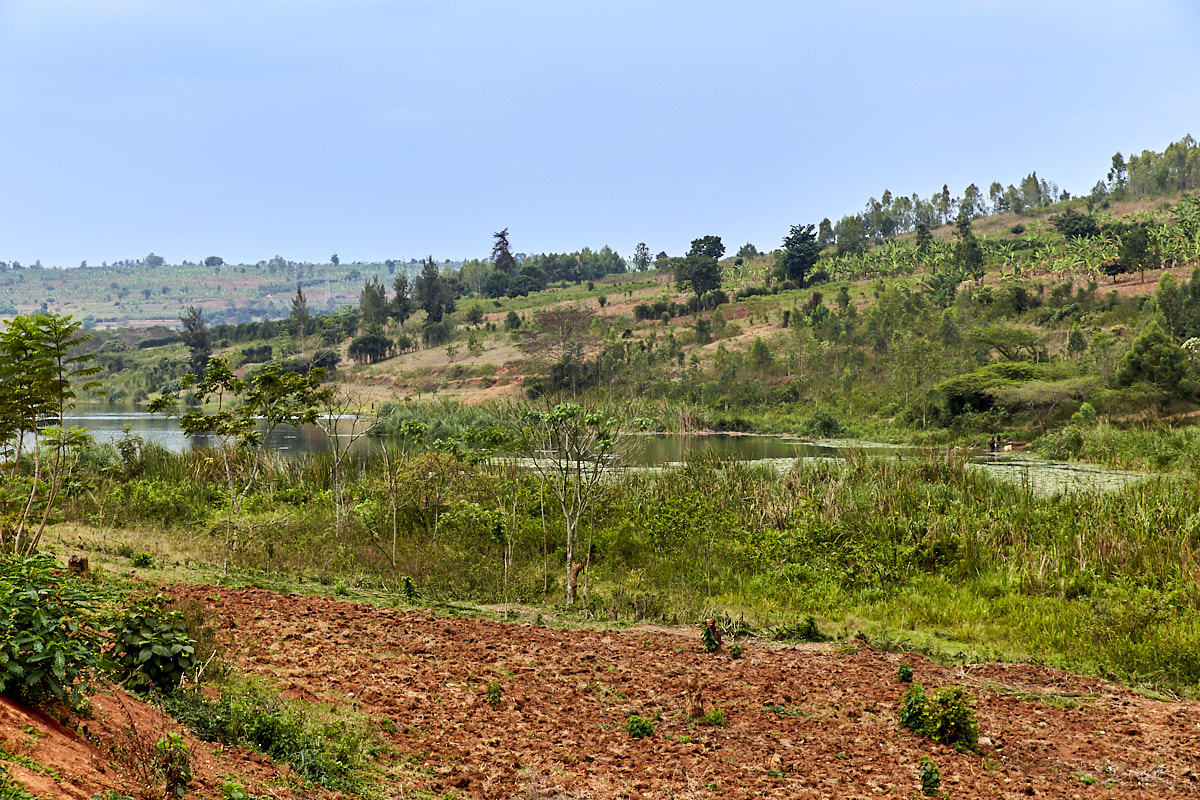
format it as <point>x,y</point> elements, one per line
<point>558,732</point>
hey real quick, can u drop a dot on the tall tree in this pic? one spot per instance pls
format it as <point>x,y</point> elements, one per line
<point>373,305</point>
<point>799,254</point>
<point>433,292</point>
<point>197,337</point>
<point>968,253</point>
<point>333,259</point>
<point>502,257</point>
<point>402,301</point>
<point>641,257</point>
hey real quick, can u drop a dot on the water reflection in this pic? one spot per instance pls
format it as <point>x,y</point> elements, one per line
<point>779,452</point>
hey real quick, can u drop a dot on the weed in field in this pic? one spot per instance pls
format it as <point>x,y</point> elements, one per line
<point>144,560</point>
<point>494,694</point>
<point>735,650</point>
<point>638,727</point>
<point>930,775</point>
<point>905,673</point>
<point>711,636</point>
<point>151,645</point>
<point>715,718</point>
<point>948,717</point>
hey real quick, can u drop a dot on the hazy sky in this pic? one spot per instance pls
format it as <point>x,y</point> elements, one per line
<point>395,129</point>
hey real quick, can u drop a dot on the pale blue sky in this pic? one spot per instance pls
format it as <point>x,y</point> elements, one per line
<point>376,129</point>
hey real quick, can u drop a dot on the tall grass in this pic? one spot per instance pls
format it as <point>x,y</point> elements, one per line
<point>927,547</point>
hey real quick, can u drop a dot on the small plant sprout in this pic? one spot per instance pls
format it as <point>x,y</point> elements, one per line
<point>494,694</point>
<point>735,650</point>
<point>930,775</point>
<point>710,634</point>
<point>638,727</point>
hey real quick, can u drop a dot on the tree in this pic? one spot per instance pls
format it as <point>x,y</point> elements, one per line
<point>924,239</point>
<point>402,301</point>
<point>1136,250</point>
<point>641,257</point>
<point>825,234</point>
<point>851,235</point>
<point>573,447</point>
<point>40,380</point>
<point>558,337</point>
<point>197,337</point>
<point>799,255</point>
<point>214,261</point>
<point>373,305</point>
<point>152,261</point>
<point>1154,359</point>
<point>697,272</point>
<point>300,311</point>
<point>240,415</point>
<point>968,253</point>
<point>1014,344</point>
<point>502,257</point>
<point>333,259</point>
<point>746,251</point>
<point>708,246</point>
<point>1073,225</point>
<point>433,292</point>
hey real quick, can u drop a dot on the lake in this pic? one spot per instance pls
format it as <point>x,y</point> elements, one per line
<point>106,424</point>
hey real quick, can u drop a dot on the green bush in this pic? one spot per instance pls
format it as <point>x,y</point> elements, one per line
<point>49,645</point>
<point>905,673</point>
<point>639,728</point>
<point>152,647</point>
<point>947,717</point>
<point>256,719</point>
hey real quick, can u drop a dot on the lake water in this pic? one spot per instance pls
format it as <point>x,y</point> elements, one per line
<point>780,452</point>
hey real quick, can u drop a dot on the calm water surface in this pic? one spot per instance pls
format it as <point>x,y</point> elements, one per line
<point>106,424</point>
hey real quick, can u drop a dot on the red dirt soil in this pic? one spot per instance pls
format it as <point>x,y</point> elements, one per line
<point>801,721</point>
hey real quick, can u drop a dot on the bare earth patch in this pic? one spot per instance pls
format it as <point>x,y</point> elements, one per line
<point>800,721</point>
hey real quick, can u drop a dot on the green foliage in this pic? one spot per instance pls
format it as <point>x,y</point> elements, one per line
<point>801,250</point>
<point>638,728</point>
<point>328,755</point>
<point>715,717</point>
<point>710,636</point>
<point>948,717</point>
<point>735,650</point>
<point>930,776</point>
<point>173,764</point>
<point>905,673</point>
<point>144,560</point>
<point>152,647</point>
<point>494,694</point>
<point>49,645</point>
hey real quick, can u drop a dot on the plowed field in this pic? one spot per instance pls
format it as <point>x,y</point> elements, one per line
<point>799,721</point>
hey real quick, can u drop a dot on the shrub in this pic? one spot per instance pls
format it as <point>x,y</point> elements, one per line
<point>948,717</point>
<point>151,645</point>
<point>143,560</point>
<point>905,673</point>
<point>638,728</point>
<point>49,645</point>
<point>931,777</point>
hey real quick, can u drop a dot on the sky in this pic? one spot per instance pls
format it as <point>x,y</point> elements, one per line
<point>380,129</point>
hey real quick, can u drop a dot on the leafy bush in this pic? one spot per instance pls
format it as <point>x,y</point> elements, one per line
<point>143,560</point>
<point>948,717</point>
<point>905,673</point>
<point>638,728</point>
<point>256,719</point>
<point>49,645</point>
<point>152,647</point>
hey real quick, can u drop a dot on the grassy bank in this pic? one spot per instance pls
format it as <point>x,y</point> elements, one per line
<point>924,552</point>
